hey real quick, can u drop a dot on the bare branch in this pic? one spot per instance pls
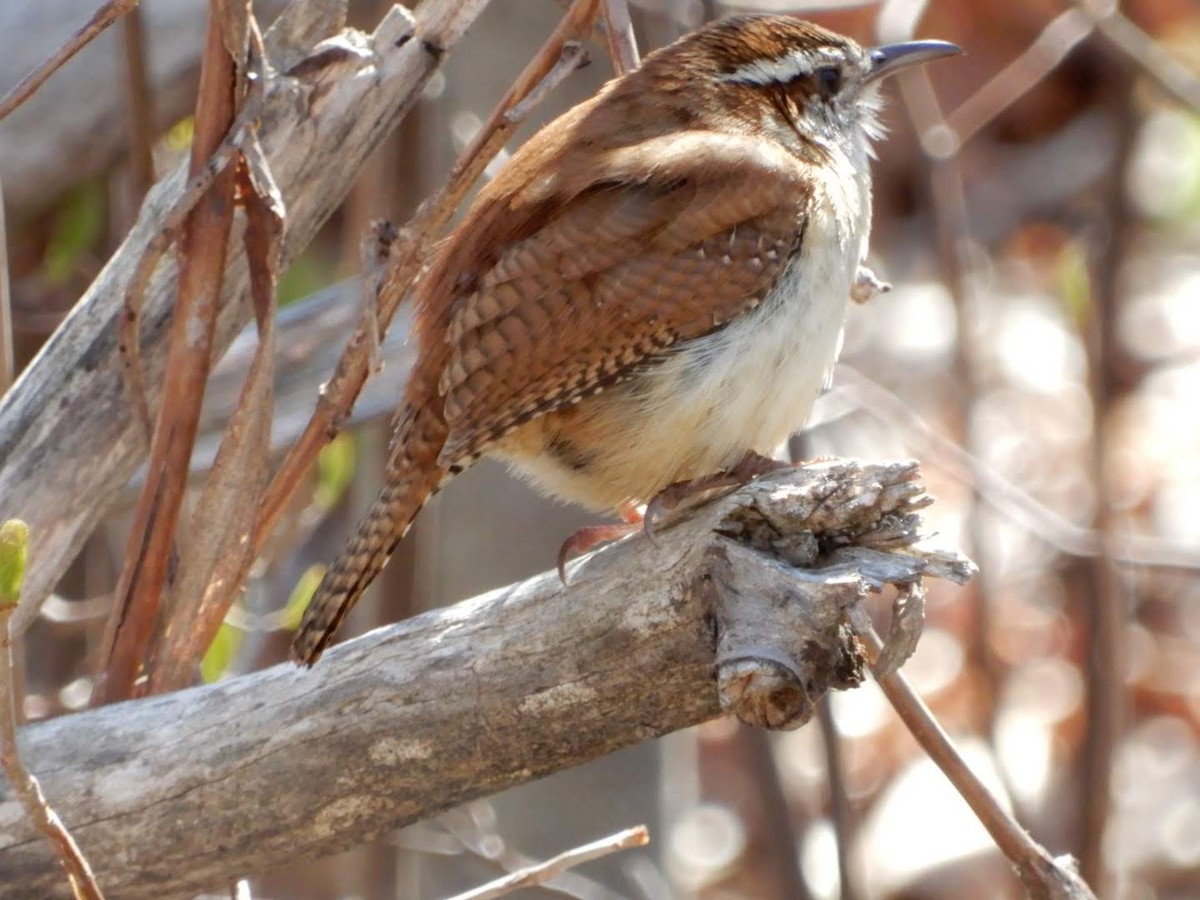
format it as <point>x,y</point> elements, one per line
<point>1045,877</point>
<point>204,242</point>
<point>104,16</point>
<point>618,31</point>
<point>1146,53</point>
<point>532,876</point>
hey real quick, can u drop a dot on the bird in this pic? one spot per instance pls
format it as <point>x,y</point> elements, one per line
<point>649,293</point>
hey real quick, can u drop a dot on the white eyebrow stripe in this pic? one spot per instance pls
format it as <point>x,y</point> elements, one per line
<point>772,71</point>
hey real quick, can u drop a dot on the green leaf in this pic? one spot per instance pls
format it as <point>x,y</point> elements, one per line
<point>78,227</point>
<point>1074,282</point>
<point>221,652</point>
<point>301,596</point>
<point>14,536</point>
<point>335,470</point>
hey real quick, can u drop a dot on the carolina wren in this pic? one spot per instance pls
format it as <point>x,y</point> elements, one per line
<point>654,285</point>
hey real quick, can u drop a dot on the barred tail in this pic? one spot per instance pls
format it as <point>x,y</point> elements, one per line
<point>413,476</point>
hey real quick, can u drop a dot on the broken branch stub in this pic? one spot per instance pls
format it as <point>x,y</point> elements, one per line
<point>794,558</point>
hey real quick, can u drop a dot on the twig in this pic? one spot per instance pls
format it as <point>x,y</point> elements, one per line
<point>13,537</point>
<point>1020,76</point>
<point>416,238</point>
<point>218,557</point>
<point>7,364</point>
<point>952,228</point>
<point>839,799</point>
<point>618,32</point>
<point>1043,876</point>
<point>129,332</point>
<point>535,875</point>
<point>140,108</point>
<point>103,17</point>
<point>1105,607</point>
<point>1148,54</point>
<point>204,243</point>
<point>473,828</point>
<point>574,56</point>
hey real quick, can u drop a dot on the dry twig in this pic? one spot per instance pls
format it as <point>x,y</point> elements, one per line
<point>204,242</point>
<point>534,875</point>
<point>618,32</point>
<point>13,536</point>
<point>1045,877</point>
<point>1006,87</point>
<point>219,555</point>
<point>1144,51</point>
<point>140,107</point>
<point>104,16</point>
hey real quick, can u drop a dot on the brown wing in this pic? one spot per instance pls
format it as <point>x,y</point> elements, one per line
<point>613,276</point>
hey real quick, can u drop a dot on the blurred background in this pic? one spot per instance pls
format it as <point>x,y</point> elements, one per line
<point>1037,209</point>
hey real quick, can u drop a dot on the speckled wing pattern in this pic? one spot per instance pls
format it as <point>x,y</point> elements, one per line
<point>646,265</point>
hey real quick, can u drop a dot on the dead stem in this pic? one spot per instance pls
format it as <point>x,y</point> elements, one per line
<point>103,17</point>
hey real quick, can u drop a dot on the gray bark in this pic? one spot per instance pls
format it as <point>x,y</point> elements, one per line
<point>173,794</point>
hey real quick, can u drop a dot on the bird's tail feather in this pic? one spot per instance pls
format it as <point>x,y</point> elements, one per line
<point>413,476</point>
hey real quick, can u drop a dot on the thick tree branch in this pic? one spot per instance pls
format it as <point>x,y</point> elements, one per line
<point>179,792</point>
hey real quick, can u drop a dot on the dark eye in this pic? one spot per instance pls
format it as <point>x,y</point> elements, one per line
<point>829,81</point>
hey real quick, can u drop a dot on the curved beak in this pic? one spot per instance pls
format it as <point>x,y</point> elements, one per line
<point>891,58</point>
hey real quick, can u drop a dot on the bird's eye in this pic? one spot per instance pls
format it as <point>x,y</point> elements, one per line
<point>829,81</point>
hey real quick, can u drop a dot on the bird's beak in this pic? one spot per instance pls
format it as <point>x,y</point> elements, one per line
<point>891,58</point>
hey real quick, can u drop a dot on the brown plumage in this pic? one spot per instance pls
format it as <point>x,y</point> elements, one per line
<point>605,262</point>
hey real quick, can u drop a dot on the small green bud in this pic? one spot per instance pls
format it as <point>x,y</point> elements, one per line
<point>14,535</point>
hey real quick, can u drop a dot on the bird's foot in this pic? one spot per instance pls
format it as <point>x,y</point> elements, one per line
<point>669,498</point>
<point>591,536</point>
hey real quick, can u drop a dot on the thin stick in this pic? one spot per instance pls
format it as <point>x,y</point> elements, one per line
<point>1043,876</point>
<point>343,387</point>
<point>574,56</point>
<point>204,242</point>
<point>140,101</point>
<point>7,365</point>
<point>543,872</point>
<point>13,539</point>
<point>839,798</point>
<point>129,333</point>
<point>1169,73</point>
<point>1106,604</point>
<point>1039,59</point>
<point>618,32</point>
<point>100,20</point>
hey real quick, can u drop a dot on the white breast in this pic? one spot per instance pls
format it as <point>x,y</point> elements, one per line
<point>750,385</point>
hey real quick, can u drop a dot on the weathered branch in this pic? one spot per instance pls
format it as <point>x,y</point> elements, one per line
<point>179,792</point>
<point>69,442</point>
